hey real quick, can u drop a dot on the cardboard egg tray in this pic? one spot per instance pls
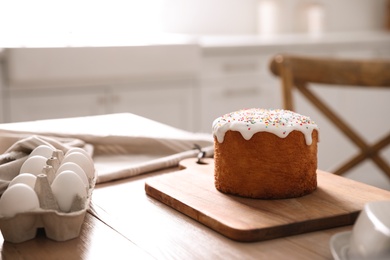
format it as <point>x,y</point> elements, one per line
<point>59,226</point>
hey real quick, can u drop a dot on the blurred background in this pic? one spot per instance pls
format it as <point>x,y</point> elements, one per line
<point>186,62</point>
<point>201,17</point>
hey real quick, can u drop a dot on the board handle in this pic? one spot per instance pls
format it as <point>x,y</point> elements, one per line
<point>192,163</point>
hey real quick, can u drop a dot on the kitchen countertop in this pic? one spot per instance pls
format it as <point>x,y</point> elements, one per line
<point>204,41</point>
<point>229,44</point>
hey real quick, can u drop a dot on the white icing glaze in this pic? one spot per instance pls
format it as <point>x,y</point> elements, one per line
<point>250,121</point>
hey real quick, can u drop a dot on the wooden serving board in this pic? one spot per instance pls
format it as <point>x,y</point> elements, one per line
<point>336,202</point>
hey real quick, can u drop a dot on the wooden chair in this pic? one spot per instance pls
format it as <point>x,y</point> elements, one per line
<point>296,72</point>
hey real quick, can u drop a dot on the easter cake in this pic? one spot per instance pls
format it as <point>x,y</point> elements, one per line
<point>265,154</point>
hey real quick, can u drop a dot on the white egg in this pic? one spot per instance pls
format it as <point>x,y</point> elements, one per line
<point>33,165</point>
<point>83,161</point>
<point>18,198</point>
<point>43,150</point>
<point>65,187</point>
<point>26,178</point>
<point>79,150</point>
<point>71,166</point>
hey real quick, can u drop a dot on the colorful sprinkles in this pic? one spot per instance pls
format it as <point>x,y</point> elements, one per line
<point>249,121</point>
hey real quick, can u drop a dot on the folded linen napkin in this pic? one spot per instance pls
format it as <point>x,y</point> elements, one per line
<point>10,164</point>
<point>13,158</point>
<point>124,145</point>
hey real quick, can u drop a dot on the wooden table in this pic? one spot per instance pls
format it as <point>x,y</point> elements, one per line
<point>125,223</point>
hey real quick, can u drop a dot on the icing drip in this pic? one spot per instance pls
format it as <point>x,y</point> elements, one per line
<point>250,121</point>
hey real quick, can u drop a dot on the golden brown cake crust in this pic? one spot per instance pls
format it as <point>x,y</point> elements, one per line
<point>266,166</point>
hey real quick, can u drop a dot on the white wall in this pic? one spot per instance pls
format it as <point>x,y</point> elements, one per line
<point>89,18</point>
<point>210,16</point>
<point>352,15</point>
<point>241,16</point>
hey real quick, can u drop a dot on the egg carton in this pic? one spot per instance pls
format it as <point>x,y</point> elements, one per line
<point>58,225</point>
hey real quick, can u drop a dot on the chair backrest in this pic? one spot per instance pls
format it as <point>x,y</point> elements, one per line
<point>297,72</point>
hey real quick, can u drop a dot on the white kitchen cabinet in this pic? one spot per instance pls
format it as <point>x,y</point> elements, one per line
<point>220,96</point>
<point>227,65</point>
<point>231,82</point>
<point>154,80</point>
<point>170,102</point>
<point>98,66</point>
<point>35,104</point>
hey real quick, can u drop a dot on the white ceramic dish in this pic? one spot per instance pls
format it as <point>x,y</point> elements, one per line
<point>339,245</point>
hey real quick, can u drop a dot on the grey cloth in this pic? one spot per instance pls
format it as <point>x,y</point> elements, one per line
<point>123,145</point>
<point>30,142</point>
<point>14,157</point>
<point>10,164</point>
